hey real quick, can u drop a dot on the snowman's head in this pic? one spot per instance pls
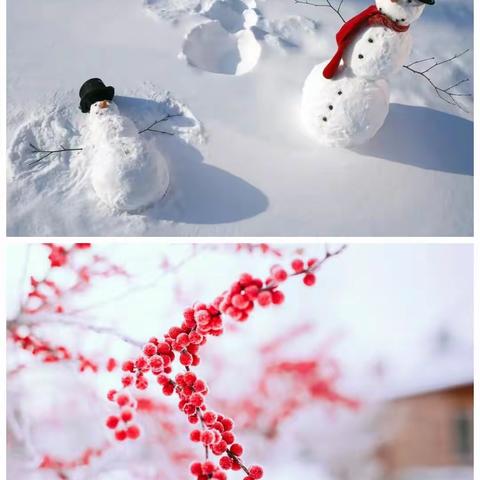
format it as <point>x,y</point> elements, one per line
<point>404,12</point>
<point>103,108</point>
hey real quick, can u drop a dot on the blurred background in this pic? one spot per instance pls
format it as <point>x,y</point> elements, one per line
<point>366,375</point>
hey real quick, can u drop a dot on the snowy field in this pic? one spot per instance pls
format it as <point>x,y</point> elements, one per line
<point>240,160</point>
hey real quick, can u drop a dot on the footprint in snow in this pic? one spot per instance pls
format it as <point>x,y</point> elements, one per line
<point>225,43</point>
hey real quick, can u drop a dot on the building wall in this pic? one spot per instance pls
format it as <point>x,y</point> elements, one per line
<point>430,430</point>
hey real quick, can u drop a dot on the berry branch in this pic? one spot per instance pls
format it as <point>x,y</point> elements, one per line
<point>445,94</point>
<point>183,343</point>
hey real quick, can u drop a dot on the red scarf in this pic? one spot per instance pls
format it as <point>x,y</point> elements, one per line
<point>370,16</point>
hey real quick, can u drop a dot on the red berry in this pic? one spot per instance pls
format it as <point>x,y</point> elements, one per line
<point>111,395</point>
<point>264,298</point>
<point>298,265</point>
<point>225,462</point>
<point>256,472</point>
<point>309,279</point>
<point>111,364</point>
<point>277,297</point>
<point>207,437</point>
<point>122,400</point>
<point>168,389</point>
<point>189,378</point>
<point>229,437</point>
<point>183,340</point>
<point>121,435</point>
<point>149,349</point>
<point>197,399</point>
<point>227,423</point>
<point>126,415</point>
<point>236,449</point>
<point>163,348</point>
<point>196,468</point>
<point>279,274</point>
<point>208,467</point>
<point>186,358</point>
<point>195,435</point>
<point>156,362</point>
<point>133,432</point>
<point>219,447</point>
<point>209,418</point>
<point>128,366</point>
<point>112,422</point>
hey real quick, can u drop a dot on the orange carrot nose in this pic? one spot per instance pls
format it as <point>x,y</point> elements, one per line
<point>104,104</point>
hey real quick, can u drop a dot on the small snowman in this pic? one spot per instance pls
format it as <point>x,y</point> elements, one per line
<point>127,172</point>
<point>345,101</point>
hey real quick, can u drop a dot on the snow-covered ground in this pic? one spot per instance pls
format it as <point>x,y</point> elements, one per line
<point>241,162</point>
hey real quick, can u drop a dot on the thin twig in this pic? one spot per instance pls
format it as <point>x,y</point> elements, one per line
<point>327,4</point>
<point>445,94</point>
<point>71,321</point>
<point>156,122</point>
<point>47,153</point>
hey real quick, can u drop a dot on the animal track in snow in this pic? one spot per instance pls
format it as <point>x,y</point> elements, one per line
<point>225,44</point>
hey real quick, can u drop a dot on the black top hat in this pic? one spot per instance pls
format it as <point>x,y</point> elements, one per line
<point>428,2</point>
<point>92,91</point>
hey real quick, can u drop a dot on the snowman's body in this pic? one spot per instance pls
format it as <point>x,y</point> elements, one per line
<point>128,173</point>
<point>346,110</point>
<point>375,53</point>
<point>378,52</point>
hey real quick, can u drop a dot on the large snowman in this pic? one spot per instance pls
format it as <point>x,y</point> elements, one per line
<point>346,100</point>
<point>127,172</point>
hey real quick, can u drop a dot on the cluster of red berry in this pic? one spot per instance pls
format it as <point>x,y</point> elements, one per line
<point>184,341</point>
<point>50,463</point>
<point>58,256</point>
<point>47,352</point>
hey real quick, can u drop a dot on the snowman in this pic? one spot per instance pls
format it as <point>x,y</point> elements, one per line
<point>127,172</point>
<point>345,101</point>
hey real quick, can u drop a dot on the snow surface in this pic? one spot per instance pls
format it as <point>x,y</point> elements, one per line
<point>245,154</point>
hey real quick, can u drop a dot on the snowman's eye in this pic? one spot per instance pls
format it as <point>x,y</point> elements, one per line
<point>340,92</point>
<point>330,107</point>
<point>370,40</point>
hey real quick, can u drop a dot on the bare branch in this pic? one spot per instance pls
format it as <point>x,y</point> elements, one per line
<point>71,321</point>
<point>151,128</point>
<point>327,4</point>
<point>47,153</point>
<point>445,94</point>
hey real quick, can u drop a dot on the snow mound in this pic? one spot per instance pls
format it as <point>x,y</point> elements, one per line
<point>212,48</point>
<point>172,9</point>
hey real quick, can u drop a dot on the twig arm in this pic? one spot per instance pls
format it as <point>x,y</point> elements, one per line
<point>446,94</point>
